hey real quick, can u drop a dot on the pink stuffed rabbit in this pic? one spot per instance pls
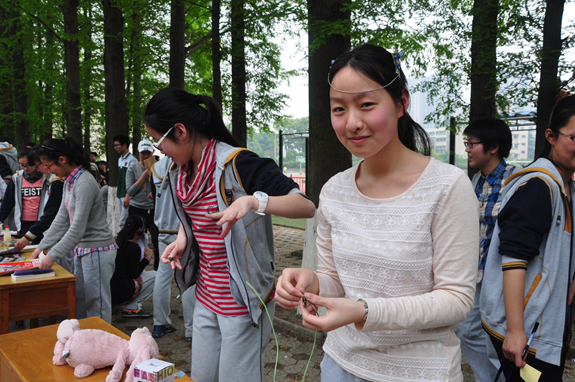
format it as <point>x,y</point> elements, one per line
<point>89,349</point>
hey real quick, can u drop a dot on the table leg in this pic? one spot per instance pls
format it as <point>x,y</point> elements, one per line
<point>71,300</point>
<point>4,311</point>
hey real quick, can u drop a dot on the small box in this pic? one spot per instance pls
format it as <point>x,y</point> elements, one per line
<point>154,370</point>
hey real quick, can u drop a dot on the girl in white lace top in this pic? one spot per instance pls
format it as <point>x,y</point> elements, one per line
<point>397,238</point>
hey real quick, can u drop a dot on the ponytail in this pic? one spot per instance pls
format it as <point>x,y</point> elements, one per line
<point>201,115</point>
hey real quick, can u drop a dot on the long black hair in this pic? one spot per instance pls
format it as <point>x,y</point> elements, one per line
<point>379,65</point>
<point>54,148</point>
<point>200,114</point>
<point>134,224</point>
<point>560,116</point>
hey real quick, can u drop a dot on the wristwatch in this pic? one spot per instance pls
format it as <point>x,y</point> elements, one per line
<point>262,197</point>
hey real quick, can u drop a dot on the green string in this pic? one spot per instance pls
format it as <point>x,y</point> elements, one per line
<point>273,330</point>
<point>276,338</point>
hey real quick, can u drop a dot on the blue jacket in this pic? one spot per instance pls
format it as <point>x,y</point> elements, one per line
<point>548,275</point>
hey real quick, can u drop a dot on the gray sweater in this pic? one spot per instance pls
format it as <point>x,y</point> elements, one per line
<point>138,195</point>
<point>80,222</point>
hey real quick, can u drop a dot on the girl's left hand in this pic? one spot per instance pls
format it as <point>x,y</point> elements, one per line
<point>340,312</point>
<point>234,212</point>
<point>47,263</point>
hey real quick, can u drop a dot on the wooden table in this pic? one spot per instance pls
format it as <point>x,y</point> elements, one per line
<point>22,300</point>
<point>26,356</point>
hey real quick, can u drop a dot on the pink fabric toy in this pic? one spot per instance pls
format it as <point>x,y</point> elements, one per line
<point>89,349</point>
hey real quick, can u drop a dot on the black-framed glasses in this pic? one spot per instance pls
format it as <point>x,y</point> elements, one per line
<point>159,144</point>
<point>471,144</point>
<point>571,137</point>
<point>26,166</point>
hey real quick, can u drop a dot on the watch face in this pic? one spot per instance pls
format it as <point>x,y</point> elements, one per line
<point>260,195</point>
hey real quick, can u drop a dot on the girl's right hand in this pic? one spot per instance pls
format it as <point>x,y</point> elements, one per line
<point>292,284</point>
<point>172,254</point>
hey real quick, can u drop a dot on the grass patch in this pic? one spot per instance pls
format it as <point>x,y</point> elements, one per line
<point>286,222</point>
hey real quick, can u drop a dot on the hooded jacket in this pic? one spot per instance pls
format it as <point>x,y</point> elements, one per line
<point>14,198</point>
<point>548,275</point>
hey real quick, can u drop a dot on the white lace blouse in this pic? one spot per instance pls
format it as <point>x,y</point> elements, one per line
<point>413,258</point>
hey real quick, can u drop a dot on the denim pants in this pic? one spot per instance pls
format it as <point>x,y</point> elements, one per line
<point>474,343</point>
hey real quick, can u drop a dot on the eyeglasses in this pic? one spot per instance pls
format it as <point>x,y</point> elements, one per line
<point>159,144</point>
<point>49,166</point>
<point>571,137</point>
<point>24,167</point>
<point>117,145</point>
<point>471,144</point>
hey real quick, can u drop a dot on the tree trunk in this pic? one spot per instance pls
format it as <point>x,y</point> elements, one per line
<point>135,76</point>
<point>216,54</point>
<point>239,121</point>
<point>48,104</point>
<point>327,155</point>
<point>116,118</point>
<point>87,75</point>
<point>6,102</point>
<point>548,82</point>
<point>20,96</point>
<point>72,66</point>
<point>483,62</point>
<point>483,59</point>
<point>177,44</point>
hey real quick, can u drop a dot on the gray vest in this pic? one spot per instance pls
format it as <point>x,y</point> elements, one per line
<point>249,245</point>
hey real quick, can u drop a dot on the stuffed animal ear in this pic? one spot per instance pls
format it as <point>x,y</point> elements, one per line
<point>66,329</point>
<point>142,338</point>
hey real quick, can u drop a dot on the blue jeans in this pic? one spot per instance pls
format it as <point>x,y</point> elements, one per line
<point>474,343</point>
<point>332,372</point>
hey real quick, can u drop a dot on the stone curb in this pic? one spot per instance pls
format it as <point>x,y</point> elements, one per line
<point>297,330</point>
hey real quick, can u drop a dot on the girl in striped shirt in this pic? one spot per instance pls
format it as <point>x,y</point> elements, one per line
<point>224,197</point>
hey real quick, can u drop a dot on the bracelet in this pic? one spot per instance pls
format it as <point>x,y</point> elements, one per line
<point>364,319</point>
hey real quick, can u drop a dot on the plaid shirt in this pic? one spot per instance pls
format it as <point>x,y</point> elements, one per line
<point>73,176</point>
<point>488,191</point>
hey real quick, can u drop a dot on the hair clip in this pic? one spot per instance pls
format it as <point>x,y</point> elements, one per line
<point>330,65</point>
<point>396,61</point>
<point>48,147</point>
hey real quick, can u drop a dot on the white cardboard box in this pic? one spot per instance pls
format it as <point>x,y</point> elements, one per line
<point>154,370</point>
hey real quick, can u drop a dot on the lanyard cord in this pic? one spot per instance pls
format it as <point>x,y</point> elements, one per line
<point>276,338</point>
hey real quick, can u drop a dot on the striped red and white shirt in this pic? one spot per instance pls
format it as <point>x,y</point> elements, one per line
<point>197,196</point>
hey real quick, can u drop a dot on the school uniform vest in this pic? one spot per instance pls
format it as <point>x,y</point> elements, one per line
<point>249,245</point>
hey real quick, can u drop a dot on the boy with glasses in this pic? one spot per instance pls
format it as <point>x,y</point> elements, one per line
<point>488,141</point>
